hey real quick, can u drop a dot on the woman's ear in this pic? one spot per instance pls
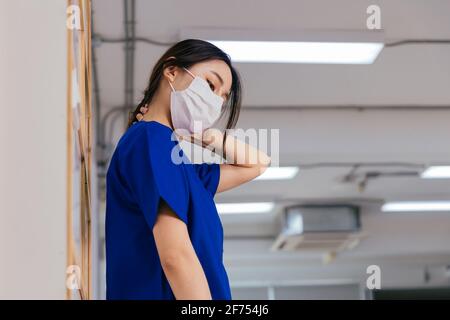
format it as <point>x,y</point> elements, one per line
<point>170,73</point>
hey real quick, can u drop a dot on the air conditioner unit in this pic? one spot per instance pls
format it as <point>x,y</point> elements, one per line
<point>319,227</point>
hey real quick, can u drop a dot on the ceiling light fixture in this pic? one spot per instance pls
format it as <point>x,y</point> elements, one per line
<point>278,173</point>
<point>436,172</point>
<point>290,46</point>
<point>244,207</point>
<point>301,52</point>
<point>409,206</point>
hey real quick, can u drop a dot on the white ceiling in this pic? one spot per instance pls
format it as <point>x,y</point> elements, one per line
<point>401,75</point>
<point>410,75</point>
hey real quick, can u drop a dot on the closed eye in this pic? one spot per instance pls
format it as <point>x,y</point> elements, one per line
<point>211,85</point>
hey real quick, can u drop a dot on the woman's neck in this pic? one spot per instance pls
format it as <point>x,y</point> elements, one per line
<point>158,112</point>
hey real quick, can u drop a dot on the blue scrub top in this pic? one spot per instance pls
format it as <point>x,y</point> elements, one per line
<point>140,173</point>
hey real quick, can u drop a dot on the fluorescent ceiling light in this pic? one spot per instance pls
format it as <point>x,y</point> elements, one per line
<point>300,52</point>
<point>244,207</point>
<point>278,173</point>
<point>408,206</point>
<point>436,172</point>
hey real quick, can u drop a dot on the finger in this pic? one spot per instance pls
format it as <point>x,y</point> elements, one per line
<point>186,138</point>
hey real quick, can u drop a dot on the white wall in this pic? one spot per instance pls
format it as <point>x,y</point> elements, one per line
<point>33,149</point>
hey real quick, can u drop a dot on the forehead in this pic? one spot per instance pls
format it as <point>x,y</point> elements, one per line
<point>213,67</point>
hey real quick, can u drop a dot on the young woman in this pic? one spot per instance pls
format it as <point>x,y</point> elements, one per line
<point>164,237</point>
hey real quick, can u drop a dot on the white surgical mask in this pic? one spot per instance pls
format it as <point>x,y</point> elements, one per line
<point>195,103</point>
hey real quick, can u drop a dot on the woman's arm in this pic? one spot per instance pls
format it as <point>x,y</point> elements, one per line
<point>178,258</point>
<point>243,161</point>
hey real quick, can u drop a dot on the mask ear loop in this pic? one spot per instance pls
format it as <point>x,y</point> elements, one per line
<point>173,89</point>
<point>193,76</point>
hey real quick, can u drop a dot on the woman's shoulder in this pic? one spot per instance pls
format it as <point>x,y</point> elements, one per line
<point>155,126</point>
<point>157,132</point>
<point>144,139</point>
<point>162,144</point>
<point>150,144</point>
<point>148,134</point>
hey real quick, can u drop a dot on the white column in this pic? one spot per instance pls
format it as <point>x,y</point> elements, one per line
<point>32,149</point>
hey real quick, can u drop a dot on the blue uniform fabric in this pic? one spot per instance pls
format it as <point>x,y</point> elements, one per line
<point>141,173</point>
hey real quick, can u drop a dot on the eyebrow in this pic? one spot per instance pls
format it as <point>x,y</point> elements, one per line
<point>221,81</point>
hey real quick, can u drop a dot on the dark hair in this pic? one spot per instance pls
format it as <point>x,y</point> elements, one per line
<point>185,54</point>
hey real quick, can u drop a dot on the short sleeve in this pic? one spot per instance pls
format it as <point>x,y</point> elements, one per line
<point>154,176</point>
<point>209,174</point>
